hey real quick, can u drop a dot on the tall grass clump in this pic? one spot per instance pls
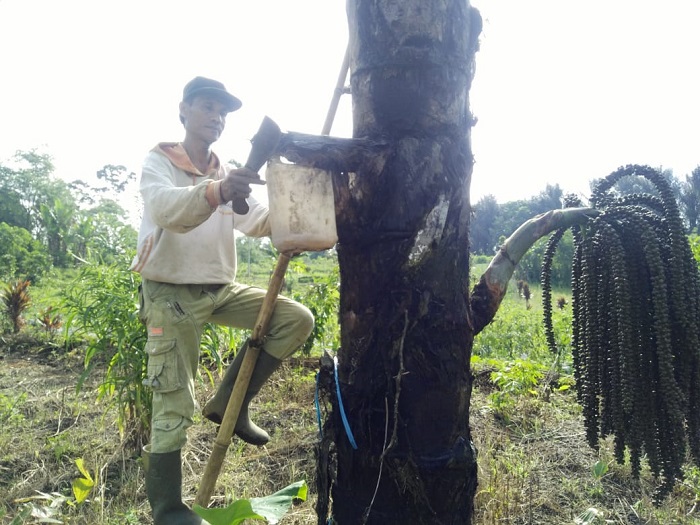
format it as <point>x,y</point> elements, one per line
<point>101,309</point>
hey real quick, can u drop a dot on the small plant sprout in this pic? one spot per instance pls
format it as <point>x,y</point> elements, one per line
<point>82,486</point>
<point>50,321</point>
<point>600,469</point>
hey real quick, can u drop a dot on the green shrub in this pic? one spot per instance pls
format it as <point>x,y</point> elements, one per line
<point>22,255</point>
<point>322,297</point>
<point>101,309</point>
<point>481,259</point>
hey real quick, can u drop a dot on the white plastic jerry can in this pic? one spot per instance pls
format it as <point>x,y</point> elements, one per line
<point>302,208</point>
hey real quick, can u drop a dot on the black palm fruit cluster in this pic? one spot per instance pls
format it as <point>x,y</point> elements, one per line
<point>636,311</point>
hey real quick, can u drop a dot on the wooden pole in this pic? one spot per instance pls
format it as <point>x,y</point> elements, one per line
<point>337,92</point>
<point>233,408</point>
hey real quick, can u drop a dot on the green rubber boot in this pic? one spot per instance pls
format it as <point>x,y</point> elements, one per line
<point>164,489</point>
<point>215,408</point>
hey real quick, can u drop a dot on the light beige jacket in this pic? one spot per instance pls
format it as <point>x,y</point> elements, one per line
<point>186,234</point>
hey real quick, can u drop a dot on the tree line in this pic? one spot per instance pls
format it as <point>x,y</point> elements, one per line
<point>493,222</point>
<point>48,223</point>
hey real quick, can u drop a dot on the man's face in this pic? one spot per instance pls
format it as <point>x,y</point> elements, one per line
<point>205,117</point>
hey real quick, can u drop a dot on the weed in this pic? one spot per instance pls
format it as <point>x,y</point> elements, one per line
<point>691,479</point>
<point>512,380</point>
<point>60,445</point>
<point>44,507</point>
<point>50,321</point>
<point>83,486</point>
<point>590,516</point>
<point>216,345</point>
<point>10,408</point>
<point>16,300</point>
<point>600,469</point>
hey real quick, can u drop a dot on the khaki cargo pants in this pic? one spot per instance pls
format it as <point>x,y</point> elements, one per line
<point>174,315</point>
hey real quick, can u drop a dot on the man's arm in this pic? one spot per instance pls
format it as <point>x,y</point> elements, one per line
<point>174,207</point>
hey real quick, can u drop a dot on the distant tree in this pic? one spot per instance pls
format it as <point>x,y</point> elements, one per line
<point>23,188</point>
<point>549,199</point>
<point>35,201</point>
<point>83,192</point>
<point>101,233</point>
<point>12,211</point>
<point>21,256</point>
<point>116,176</point>
<point>57,220</point>
<point>73,221</point>
<point>512,214</point>
<point>83,235</point>
<point>690,199</point>
<point>486,211</point>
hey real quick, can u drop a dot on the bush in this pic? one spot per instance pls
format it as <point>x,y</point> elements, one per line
<point>101,310</point>
<point>22,256</point>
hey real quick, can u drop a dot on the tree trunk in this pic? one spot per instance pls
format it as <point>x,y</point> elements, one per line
<point>403,225</point>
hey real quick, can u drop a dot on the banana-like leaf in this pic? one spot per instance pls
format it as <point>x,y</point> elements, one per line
<point>270,508</point>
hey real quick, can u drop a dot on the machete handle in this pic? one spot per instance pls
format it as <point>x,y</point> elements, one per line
<point>264,146</point>
<point>240,206</point>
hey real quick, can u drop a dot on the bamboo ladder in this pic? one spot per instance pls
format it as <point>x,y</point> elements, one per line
<point>233,408</point>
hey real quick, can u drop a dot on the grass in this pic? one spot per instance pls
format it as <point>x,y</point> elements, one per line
<point>534,464</point>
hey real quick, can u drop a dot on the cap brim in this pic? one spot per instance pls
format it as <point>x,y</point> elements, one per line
<point>232,103</point>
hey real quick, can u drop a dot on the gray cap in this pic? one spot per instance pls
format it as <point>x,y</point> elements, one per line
<point>207,86</point>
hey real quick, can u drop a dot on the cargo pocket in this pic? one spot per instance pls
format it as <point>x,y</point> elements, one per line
<point>167,424</point>
<point>162,371</point>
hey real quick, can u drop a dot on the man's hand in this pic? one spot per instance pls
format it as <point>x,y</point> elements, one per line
<point>237,183</point>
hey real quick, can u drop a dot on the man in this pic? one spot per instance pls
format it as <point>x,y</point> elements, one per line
<point>187,260</point>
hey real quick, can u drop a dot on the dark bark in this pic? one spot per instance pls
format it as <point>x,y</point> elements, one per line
<point>328,153</point>
<point>403,223</point>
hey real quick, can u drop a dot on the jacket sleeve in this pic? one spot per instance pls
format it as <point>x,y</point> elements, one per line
<point>172,207</point>
<point>255,223</point>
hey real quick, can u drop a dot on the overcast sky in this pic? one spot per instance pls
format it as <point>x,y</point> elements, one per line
<point>564,91</point>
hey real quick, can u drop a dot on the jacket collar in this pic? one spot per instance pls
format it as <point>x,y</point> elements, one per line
<point>176,153</point>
